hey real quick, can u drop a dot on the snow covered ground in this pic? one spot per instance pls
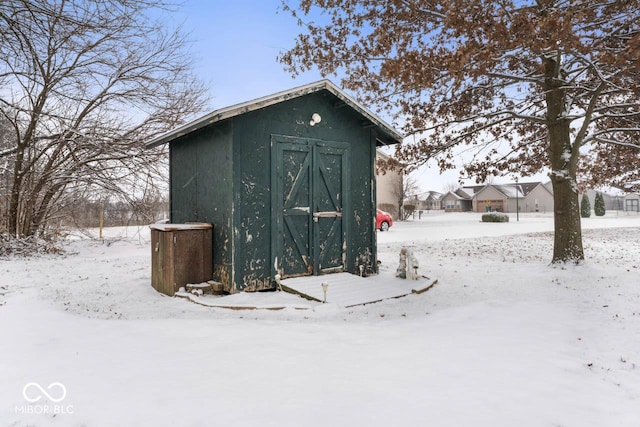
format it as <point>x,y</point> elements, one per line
<point>503,339</point>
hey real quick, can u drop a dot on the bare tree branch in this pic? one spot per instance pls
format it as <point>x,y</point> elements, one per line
<point>83,85</point>
<point>524,84</point>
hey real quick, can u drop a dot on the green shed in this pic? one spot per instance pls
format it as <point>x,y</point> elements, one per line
<point>287,180</point>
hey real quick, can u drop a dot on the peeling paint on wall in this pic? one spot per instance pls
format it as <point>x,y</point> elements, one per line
<point>366,259</point>
<point>221,274</point>
<point>254,284</point>
<point>186,184</point>
<point>233,187</point>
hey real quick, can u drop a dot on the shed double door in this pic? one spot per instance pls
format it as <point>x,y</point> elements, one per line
<point>310,206</point>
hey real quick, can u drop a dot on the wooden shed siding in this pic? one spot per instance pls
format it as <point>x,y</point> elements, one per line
<point>202,189</point>
<point>362,238</point>
<point>222,173</point>
<point>252,151</point>
<point>252,155</point>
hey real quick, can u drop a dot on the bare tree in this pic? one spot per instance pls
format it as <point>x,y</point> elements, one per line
<point>450,186</point>
<point>82,85</point>
<point>407,196</point>
<point>6,140</point>
<point>525,84</point>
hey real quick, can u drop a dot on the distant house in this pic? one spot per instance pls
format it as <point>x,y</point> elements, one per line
<point>433,201</point>
<point>611,202</point>
<point>523,197</point>
<point>617,203</point>
<point>417,203</point>
<point>413,206</point>
<point>632,202</point>
<point>538,197</point>
<point>493,198</point>
<point>388,186</point>
<point>549,186</point>
<point>459,200</point>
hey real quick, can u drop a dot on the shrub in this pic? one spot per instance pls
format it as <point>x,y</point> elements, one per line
<point>29,246</point>
<point>598,205</point>
<point>495,217</point>
<point>585,207</point>
<point>407,210</point>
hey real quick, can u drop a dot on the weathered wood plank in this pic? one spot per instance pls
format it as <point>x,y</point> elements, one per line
<point>349,290</point>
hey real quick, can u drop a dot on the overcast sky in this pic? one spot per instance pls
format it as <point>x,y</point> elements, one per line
<point>236,44</point>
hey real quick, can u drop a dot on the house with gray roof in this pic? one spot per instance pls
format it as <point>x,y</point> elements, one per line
<point>459,200</point>
<point>632,202</point>
<point>513,197</point>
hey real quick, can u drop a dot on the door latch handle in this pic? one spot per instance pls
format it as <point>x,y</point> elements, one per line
<point>327,214</point>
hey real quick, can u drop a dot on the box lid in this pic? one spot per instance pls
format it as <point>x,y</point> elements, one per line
<point>186,226</point>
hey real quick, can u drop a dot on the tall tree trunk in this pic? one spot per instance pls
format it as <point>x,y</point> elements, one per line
<point>567,245</point>
<point>14,199</point>
<point>563,155</point>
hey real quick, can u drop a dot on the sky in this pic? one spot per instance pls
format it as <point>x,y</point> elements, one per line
<point>236,44</point>
<point>235,47</point>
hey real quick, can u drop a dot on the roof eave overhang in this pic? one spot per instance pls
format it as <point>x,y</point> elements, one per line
<point>387,135</point>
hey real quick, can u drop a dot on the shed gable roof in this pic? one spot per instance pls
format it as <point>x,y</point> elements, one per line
<point>391,136</point>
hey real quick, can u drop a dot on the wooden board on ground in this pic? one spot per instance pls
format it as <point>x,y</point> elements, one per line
<point>349,290</point>
<point>249,301</point>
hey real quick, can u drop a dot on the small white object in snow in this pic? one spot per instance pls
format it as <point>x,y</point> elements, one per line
<point>408,265</point>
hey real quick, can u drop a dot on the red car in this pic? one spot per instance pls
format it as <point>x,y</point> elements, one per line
<point>383,220</point>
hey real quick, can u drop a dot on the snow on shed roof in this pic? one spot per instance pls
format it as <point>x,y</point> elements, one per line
<point>391,135</point>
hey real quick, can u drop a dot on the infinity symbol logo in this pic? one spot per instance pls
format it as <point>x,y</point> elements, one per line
<point>26,392</point>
